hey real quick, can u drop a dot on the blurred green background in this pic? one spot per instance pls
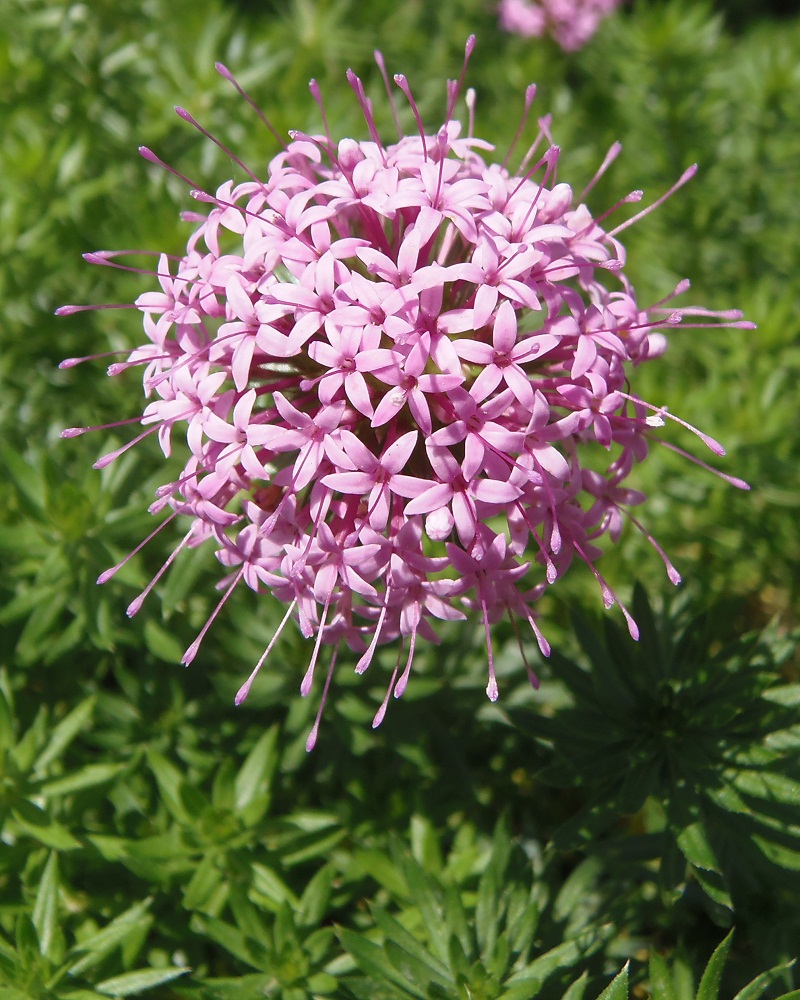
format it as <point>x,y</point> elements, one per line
<point>155,839</point>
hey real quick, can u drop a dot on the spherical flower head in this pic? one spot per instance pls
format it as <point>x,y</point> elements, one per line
<point>571,23</point>
<point>386,366</point>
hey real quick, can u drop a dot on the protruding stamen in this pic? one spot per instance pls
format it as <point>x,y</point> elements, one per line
<point>225,72</point>
<point>191,652</point>
<point>526,159</point>
<point>402,83</point>
<point>549,161</point>
<point>687,175</point>
<point>469,48</point>
<point>71,362</point>
<point>662,411</point>
<point>532,675</point>
<point>305,686</point>
<point>366,659</point>
<point>71,310</point>
<point>151,157</point>
<point>740,484</point>
<point>184,114</point>
<point>530,94</point>
<point>244,690</point>
<point>100,257</point>
<point>366,109</point>
<point>610,156</point>
<point>107,459</point>
<point>492,692</point>
<point>469,100</point>
<point>106,575</point>
<point>403,682</point>
<point>442,142</point>
<point>609,597</point>
<point>382,68</point>
<point>672,573</point>
<point>122,366</point>
<point>311,741</point>
<point>135,606</point>
<point>72,432</point>
<point>555,532</point>
<point>313,86</point>
<point>632,198</point>
<point>379,715</point>
<point>683,286</point>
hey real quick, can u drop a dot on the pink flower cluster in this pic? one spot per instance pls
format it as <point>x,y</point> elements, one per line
<point>571,23</point>
<point>389,364</point>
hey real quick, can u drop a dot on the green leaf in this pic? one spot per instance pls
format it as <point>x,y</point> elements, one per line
<point>424,895</point>
<point>170,784</point>
<point>525,989</point>
<point>131,984</point>
<point>755,989</point>
<point>312,848</point>
<point>617,989</point>
<point>232,940</point>
<point>316,898</point>
<point>372,961</point>
<point>249,920</point>
<point>135,920</point>
<point>38,824</point>
<point>27,942</point>
<point>203,884</point>
<point>710,983</point>
<point>694,844</point>
<point>425,844</point>
<point>12,993</point>
<point>381,868</point>
<point>271,886</point>
<point>407,963</point>
<point>714,887</point>
<point>45,912</point>
<point>26,476</point>
<point>577,989</point>
<point>161,642</point>
<point>459,926</point>
<point>578,884</point>
<point>486,913</point>
<point>786,857</point>
<point>65,732</point>
<point>661,984</point>
<point>769,786</point>
<point>564,954</point>
<point>252,784</point>
<point>87,777</point>
<point>246,987</point>
<point>787,695</point>
<point>6,723</point>
<point>403,939</point>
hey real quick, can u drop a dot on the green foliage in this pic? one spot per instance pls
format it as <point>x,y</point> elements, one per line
<point>462,940</point>
<point>694,738</point>
<point>153,840</point>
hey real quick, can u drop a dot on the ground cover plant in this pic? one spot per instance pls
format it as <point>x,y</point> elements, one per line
<point>631,828</point>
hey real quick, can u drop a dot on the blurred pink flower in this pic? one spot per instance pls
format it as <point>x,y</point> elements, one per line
<point>390,363</point>
<point>571,23</point>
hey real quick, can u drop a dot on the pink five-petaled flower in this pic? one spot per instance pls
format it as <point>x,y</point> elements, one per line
<point>504,360</point>
<point>391,387</point>
<point>571,23</point>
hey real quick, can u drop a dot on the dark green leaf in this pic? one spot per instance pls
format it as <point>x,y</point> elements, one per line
<point>617,989</point>
<point>712,976</point>
<point>131,984</point>
<point>45,912</point>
